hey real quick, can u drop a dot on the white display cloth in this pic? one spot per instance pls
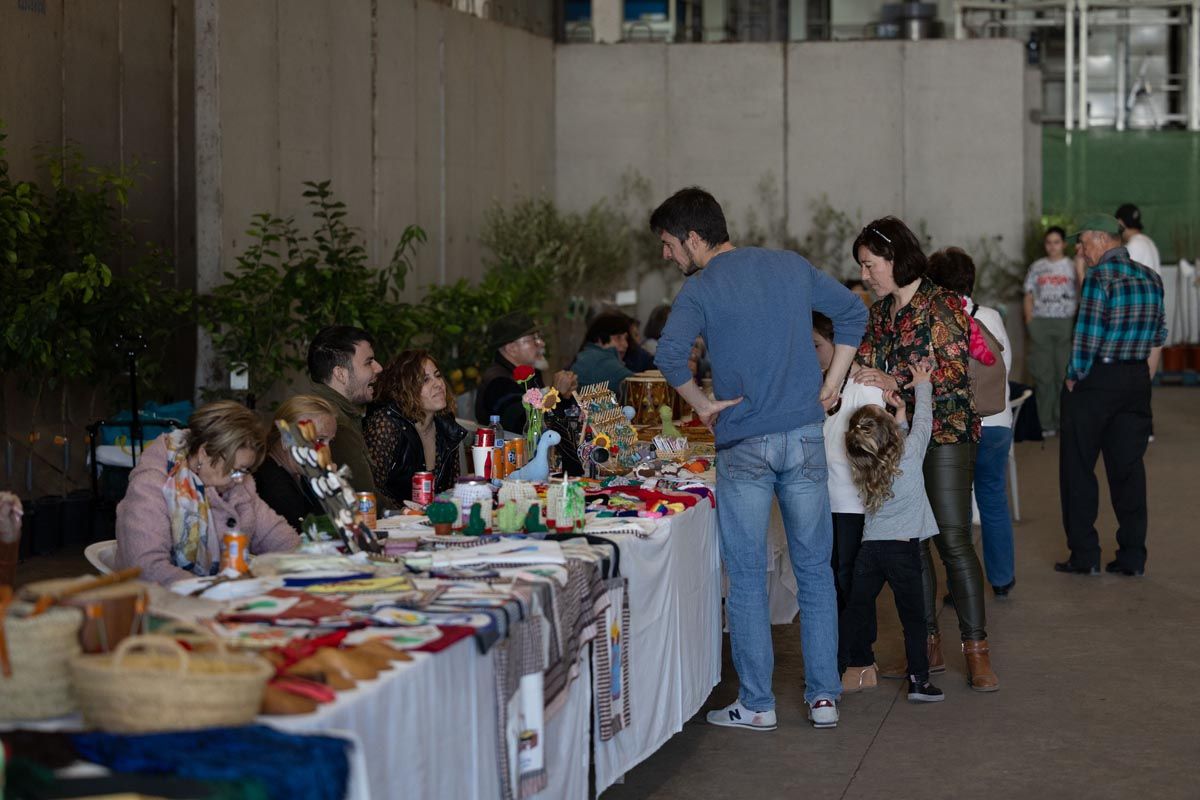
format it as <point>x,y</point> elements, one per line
<point>675,648</point>
<point>1181,302</point>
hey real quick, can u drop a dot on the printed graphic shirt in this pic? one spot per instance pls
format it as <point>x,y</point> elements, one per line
<point>1052,284</point>
<point>1121,314</point>
<point>933,323</point>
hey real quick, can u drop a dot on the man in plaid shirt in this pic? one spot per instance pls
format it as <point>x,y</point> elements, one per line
<point>1119,336</point>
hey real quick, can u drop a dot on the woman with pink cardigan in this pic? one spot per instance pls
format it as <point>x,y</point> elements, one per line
<point>192,486</point>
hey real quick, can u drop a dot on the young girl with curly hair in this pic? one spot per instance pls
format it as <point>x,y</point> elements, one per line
<point>886,469</point>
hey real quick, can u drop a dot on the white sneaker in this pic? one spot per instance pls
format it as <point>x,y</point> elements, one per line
<point>823,714</point>
<point>738,716</point>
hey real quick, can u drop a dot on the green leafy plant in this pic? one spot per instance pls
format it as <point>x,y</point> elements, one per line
<point>998,277</point>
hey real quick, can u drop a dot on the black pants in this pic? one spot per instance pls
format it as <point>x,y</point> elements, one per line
<point>1109,413</point>
<point>898,563</point>
<point>949,470</point>
<point>847,536</point>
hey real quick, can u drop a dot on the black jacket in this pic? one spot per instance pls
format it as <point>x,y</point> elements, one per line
<point>396,453</point>
<point>290,498</point>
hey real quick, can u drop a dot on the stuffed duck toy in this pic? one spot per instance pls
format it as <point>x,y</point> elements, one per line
<point>538,468</point>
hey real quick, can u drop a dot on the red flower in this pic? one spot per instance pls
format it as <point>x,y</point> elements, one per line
<point>522,373</point>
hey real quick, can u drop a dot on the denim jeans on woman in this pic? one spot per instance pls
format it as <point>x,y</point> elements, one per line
<point>991,495</point>
<point>789,466</point>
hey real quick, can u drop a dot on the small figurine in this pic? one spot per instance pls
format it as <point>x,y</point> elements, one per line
<point>538,468</point>
<point>475,524</point>
<point>443,516</point>
<point>668,422</point>
<point>509,517</point>
<point>533,520</point>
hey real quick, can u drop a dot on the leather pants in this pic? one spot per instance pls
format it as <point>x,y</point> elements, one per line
<point>949,469</point>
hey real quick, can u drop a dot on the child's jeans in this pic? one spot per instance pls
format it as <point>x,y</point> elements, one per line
<point>898,563</point>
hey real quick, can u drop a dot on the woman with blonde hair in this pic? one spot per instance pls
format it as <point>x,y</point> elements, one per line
<point>886,469</point>
<point>279,477</point>
<point>191,487</point>
<point>412,429</point>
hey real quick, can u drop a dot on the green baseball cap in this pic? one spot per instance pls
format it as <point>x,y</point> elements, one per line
<point>1097,222</point>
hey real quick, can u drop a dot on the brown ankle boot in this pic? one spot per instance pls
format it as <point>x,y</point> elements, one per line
<point>933,649</point>
<point>979,666</point>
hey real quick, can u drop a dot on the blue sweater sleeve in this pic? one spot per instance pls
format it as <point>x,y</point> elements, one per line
<point>841,305</point>
<point>684,324</point>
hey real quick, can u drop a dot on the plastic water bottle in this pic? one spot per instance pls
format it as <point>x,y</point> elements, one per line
<point>494,424</point>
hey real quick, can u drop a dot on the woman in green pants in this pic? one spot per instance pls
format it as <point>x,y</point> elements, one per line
<point>913,320</point>
<point>1051,296</point>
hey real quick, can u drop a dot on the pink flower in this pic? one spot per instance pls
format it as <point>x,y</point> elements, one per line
<point>533,397</point>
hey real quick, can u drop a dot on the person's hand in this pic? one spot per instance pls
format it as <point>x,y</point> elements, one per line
<point>922,372</point>
<point>708,414</point>
<point>10,516</point>
<point>1070,385</point>
<point>566,382</point>
<point>877,377</point>
<point>830,394</point>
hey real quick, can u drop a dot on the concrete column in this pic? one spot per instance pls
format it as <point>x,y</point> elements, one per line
<point>714,15</point>
<point>1083,64</point>
<point>209,235</point>
<point>607,16</point>
<point>1069,95</point>
<point>1194,69</point>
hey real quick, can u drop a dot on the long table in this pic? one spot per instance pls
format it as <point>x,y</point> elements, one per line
<point>428,726</point>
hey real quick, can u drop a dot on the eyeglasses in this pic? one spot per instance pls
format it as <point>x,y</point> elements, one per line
<point>878,233</point>
<point>237,475</point>
<point>533,337</point>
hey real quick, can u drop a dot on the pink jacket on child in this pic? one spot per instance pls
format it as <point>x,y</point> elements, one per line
<point>144,523</point>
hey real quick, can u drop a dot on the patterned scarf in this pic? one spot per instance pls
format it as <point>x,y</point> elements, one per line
<point>188,507</point>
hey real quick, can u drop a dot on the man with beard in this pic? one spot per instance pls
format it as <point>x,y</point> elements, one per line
<point>343,369</point>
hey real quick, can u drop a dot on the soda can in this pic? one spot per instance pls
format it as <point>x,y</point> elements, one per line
<point>499,463</point>
<point>485,437</point>
<point>519,444</point>
<point>422,488</point>
<point>233,552</point>
<point>510,456</point>
<point>365,509</point>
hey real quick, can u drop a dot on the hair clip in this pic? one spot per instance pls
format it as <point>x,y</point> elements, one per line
<point>878,233</point>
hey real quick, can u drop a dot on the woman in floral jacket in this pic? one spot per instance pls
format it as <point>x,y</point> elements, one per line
<point>916,320</point>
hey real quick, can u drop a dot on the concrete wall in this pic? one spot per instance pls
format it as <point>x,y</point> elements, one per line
<point>418,113</point>
<point>933,131</point>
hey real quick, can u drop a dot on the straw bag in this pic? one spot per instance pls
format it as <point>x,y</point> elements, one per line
<point>163,687</point>
<point>39,650</point>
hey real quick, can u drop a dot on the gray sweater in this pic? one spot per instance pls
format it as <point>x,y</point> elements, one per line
<point>908,515</point>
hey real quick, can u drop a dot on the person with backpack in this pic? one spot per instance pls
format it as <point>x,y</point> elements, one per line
<point>913,320</point>
<point>954,270</point>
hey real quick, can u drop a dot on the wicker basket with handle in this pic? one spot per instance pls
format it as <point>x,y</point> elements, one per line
<point>39,650</point>
<point>151,683</point>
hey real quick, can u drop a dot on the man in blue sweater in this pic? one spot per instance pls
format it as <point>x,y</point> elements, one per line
<point>754,309</point>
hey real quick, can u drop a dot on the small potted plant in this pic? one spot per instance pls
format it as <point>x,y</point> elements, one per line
<point>442,515</point>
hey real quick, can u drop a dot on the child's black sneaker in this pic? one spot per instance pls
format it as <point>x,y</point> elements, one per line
<point>922,691</point>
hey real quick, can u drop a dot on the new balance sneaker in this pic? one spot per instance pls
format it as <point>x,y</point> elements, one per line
<point>738,716</point>
<point>823,714</point>
<point>922,691</point>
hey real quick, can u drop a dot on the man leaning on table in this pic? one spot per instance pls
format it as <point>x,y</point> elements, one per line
<point>754,309</point>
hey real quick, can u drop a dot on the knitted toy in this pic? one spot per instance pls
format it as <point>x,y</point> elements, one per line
<point>509,517</point>
<point>668,422</point>
<point>443,516</point>
<point>538,468</point>
<point>533,520</point>
<point>475,525</point>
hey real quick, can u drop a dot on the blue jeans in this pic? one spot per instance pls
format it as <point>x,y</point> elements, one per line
<point>991,495</point>
<point>789,466</point>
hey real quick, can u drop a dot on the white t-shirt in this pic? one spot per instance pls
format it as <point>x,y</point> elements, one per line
<point>843,495</point>
<point>1143,250</point>
<point>990,318</point>
<point>1052,284</point>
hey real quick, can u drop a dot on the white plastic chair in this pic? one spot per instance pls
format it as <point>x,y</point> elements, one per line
<point>1015,406</point>
<point>102,556</point>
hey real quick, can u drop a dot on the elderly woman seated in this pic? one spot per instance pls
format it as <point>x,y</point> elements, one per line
<point>192,486</point>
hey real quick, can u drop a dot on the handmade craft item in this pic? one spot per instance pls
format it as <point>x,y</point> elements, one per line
<point>112,609</point>
<point>36,679</point>
<point>442,515</point>
<point>332,488</point>
<point>473,489</point>
<point>606,426</point>
<point>646,393</point>
<point>668,422</point>
<point>538,468</point>
<point>566,506</point>
<point>475,524</point>
<point>510,517</point>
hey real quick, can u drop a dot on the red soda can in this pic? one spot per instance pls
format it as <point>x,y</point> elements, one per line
<point>499,464</point>
<point>485,437</point>
<point>422,488</point>
<point>366,508</point>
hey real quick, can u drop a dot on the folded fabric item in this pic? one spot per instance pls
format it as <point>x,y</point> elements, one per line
<point>507,552</point>
<point>292,767</point>
<point>451,634</point>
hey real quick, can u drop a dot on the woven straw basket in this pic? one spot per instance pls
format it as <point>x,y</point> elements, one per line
<point>163,687</point>
<point>40,650</point>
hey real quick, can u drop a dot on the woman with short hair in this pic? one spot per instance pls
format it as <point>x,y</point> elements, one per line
<point>279,479</point>
<point>412,429</point>
<point>191,487</point>
<point>914,320</point>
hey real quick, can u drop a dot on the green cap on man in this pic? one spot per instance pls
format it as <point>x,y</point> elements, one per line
<point>1097,222</point>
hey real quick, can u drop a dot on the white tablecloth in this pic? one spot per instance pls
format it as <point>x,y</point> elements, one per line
<point>428,726</point>
<point>1181,302</point>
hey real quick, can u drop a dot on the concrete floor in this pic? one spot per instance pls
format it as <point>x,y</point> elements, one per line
<point>1096,674</point>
